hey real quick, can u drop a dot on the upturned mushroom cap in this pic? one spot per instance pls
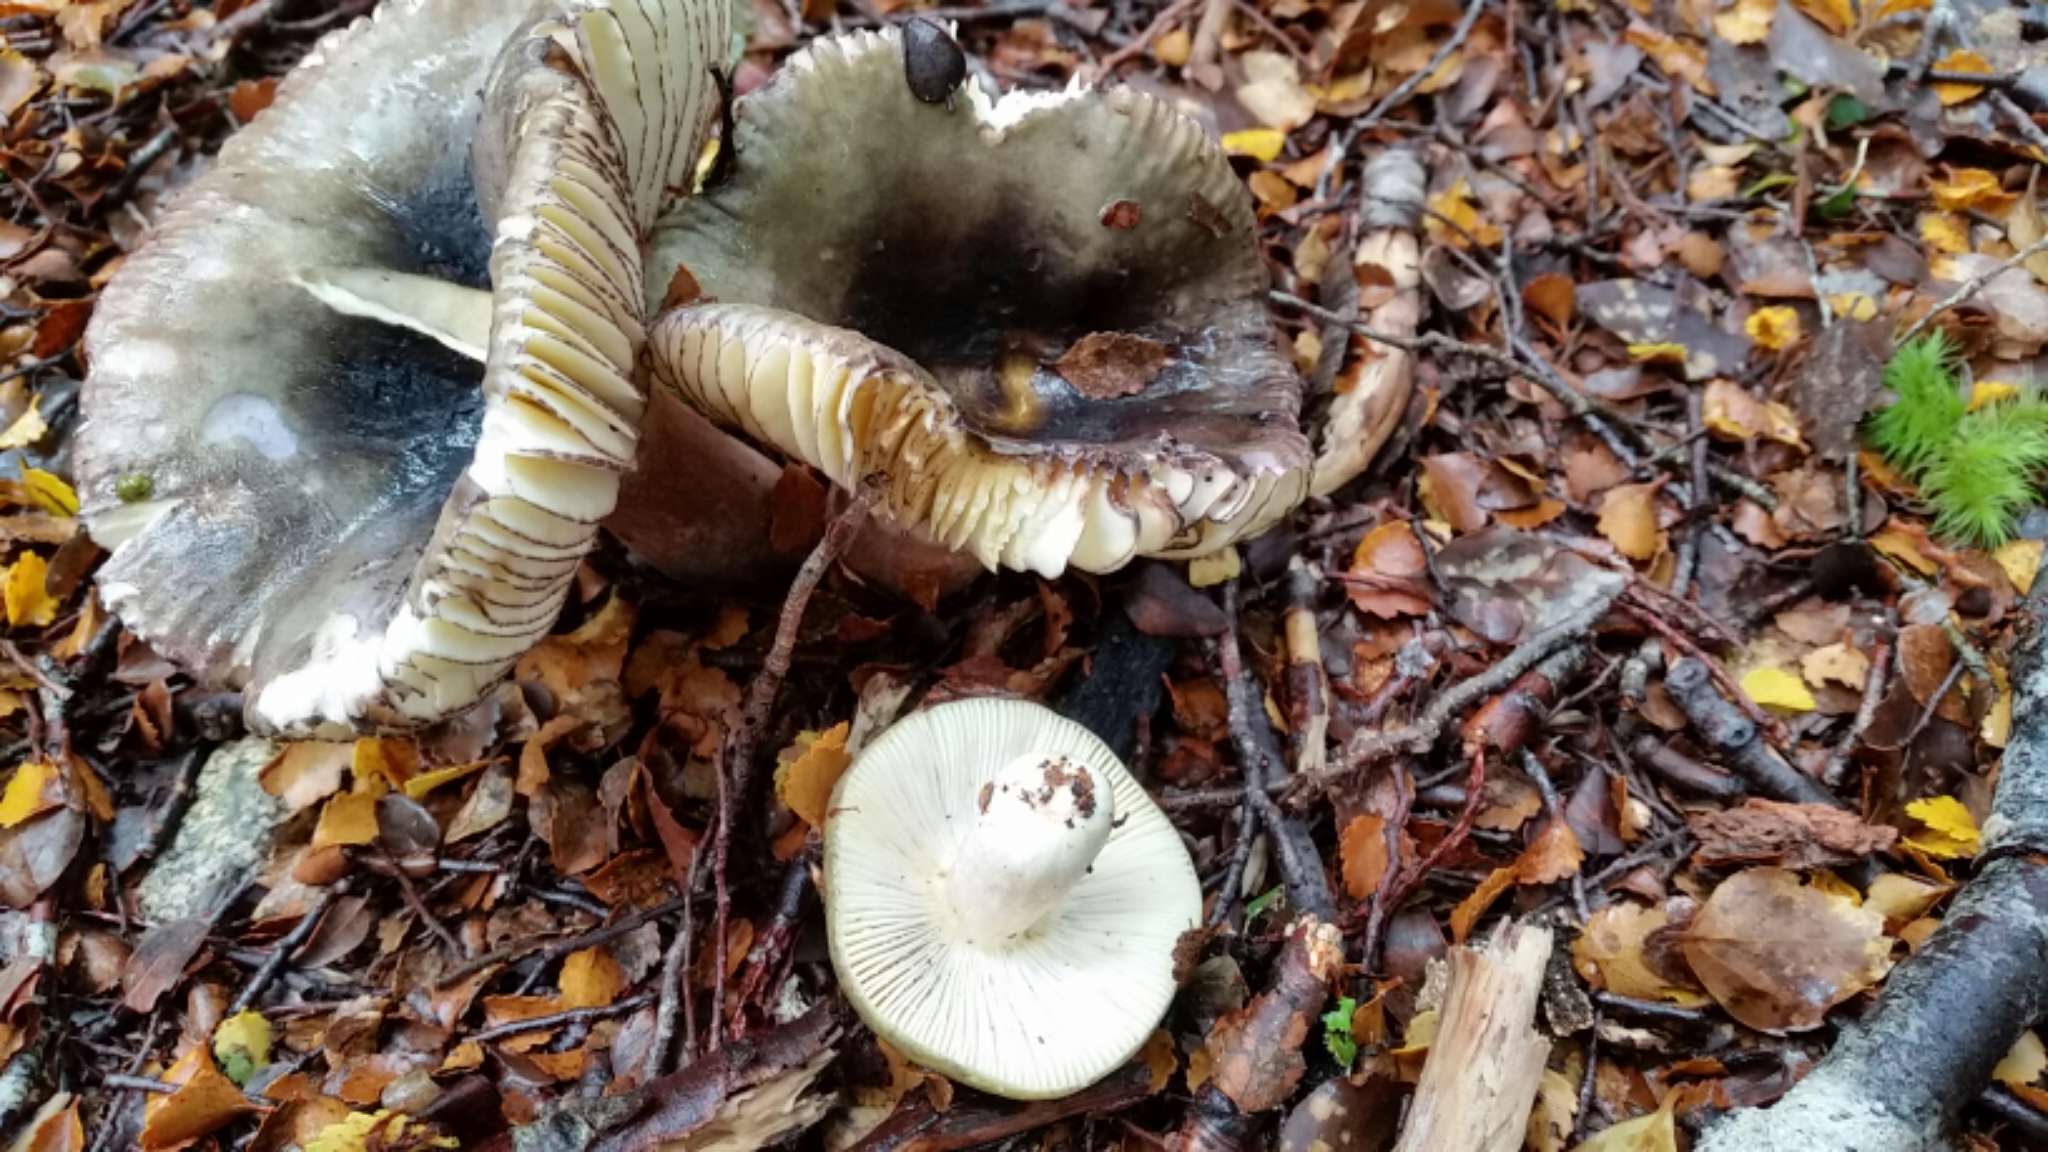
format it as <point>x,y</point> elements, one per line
<point>306,481</point>
<point>1042,318</point>
<point>1003,899</point>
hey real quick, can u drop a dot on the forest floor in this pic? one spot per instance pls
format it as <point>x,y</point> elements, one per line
<point>1626,631</point>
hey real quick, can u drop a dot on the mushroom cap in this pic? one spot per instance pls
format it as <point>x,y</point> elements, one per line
<point>1074,277</point>
<point>346,514</point>
<point>1036,1016</point>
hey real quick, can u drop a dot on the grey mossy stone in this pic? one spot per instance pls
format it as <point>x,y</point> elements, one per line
<point>224,838</point>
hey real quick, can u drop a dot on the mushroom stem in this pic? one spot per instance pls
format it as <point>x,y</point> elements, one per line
<point>1043,819</point>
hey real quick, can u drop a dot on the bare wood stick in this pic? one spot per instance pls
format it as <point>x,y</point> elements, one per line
<point>1486,1062</point>
<point>289,943</point>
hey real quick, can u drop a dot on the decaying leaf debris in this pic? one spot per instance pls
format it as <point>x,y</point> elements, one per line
<point>1615,751</point>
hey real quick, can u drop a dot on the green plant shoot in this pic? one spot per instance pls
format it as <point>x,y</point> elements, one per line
<point>1979,469</point>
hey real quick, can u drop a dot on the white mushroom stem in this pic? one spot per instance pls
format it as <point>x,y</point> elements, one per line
<point>1043,819</point>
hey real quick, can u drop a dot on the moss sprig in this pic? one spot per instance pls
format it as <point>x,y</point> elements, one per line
<point>1979,468</point>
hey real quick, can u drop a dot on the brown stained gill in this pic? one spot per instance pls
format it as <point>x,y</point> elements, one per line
<point>988,793</point>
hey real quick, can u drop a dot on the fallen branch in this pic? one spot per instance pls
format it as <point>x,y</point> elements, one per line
<point>1972,286</point>
<point>1486,1062</point>
<point>1897,1081</point>
<point>1723,726</point>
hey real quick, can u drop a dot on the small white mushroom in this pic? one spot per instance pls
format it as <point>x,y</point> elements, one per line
<point>1003,899</point>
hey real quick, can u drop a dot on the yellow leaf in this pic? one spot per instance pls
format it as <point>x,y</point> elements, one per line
<point>1945,232</point>
<point>1747,22</point>
<point>1613,953</point>
<point>1902,899</point>
<point>1838,662</point>
<point>805,783</point>
<point>50,492</point>
<point>1454,219</point>
<point>354,1133</point>
<point>1961,60</point>
<point>590,979</point>
<point>27,428</point>
<point>418,786</point>
<point>242,1044</point>
<point>1774,329</point>
<point>35,788</point>
<point>1216,568</point>
<point>1661,353</point>
<point>1894,542</point>
<point>28,602</point>
<point>2024,1063</point>
<point>380,764</point>
<point>1996,729</point>
<point>1985,392</point>
<point>1856,306</point>
<point>1261,144</point>
<point>1656,1132</point>
<point>1628,519</point>
<point>1949,832</point>
<point>1776,688</point>
<point>2020,560</point>
<point>1900,7</point>
<point>348,818</point>
<point>1968,188</point>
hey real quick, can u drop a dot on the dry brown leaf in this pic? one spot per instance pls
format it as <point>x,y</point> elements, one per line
<point>1837,662</point>
<point>350,818</point>
<point>55,1127</point>
<point>1362,853</point>
<point>205,1101</point>
<point>307,772</point>
<point>1777,953</point>
<point>805,782</point>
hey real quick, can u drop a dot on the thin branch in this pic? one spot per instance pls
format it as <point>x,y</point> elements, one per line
<point>1972,286</point>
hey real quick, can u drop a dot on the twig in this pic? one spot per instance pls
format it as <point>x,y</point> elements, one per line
<point>1972,286</point>
<point>675,990</point>
<point>289,943</point>
<point>1418,735</point>
<point>566,1016</point>
<point>1874,685</point>
<point>1553,807</point>
<point>556,949</point>
<point>1402,91</point>
<point>1138,47</point>
<point>411,895</point>
<point>1387,900</point>
<point>738,769</point>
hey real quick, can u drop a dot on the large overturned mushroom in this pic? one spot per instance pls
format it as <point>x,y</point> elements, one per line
<point>1039,318</point>
<point>306,482</point>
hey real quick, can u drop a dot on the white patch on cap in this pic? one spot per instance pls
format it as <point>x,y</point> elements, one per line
<point>253,419</point>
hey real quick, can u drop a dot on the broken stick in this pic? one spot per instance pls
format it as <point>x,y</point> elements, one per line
<point>1486,1062</point>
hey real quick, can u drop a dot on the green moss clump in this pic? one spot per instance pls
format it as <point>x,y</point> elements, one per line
<point>1980,469</point>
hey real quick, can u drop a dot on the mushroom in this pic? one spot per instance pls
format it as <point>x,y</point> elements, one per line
<point>1002,898</point>
<point>1040,318</point>
<point>307,483</point>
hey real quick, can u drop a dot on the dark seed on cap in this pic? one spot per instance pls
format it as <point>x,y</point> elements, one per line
<point>933,63</point>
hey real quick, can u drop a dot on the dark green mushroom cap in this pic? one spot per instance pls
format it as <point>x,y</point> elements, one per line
<point>1040,317</point>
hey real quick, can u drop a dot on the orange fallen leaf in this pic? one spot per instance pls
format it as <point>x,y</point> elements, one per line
<point>54,1128</point>
<point>28,602</point>
<point>1553,854</point>
<point>1628,519</point>
<point>1466,915</point>
<point>204,1102</point>
<point>805,783</point>
<point>1951,92</point>
<point>590,979</point>
<point>1362,854</point>
<point>1612,953</point>
<point>35,788</point>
